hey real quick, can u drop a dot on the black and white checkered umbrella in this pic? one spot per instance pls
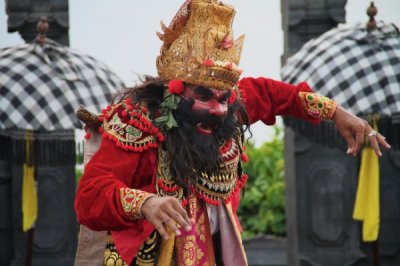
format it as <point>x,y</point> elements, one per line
<point>41,86</point>
<point>357,68</point>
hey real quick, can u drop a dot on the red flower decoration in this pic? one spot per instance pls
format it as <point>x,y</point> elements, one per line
<point>232,98</point>
<point>175,86</point>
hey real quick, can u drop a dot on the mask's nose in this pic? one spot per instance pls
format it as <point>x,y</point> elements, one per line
<point>218,110</point>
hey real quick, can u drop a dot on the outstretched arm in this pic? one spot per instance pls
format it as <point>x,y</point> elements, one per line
<point>266,98</point>
<point>352,128</point>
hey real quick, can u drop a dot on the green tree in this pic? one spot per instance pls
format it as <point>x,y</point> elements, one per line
<point>262,208</point>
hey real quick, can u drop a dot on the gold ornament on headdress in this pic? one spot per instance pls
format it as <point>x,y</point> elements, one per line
<point>198,46</point>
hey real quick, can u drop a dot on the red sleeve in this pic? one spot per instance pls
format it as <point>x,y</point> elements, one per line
<point>98,204</point>
<point>266,98</point>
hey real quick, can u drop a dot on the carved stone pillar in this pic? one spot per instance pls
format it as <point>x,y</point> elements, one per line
<point>321,181</point>
<point>306,19</point>
<point>317,230</point>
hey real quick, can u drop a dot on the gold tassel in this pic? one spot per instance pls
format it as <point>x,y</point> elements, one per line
<point>29,192</point>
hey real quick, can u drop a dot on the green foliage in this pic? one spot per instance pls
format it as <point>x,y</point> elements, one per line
<point>262,208</point>
<point>78,174</point>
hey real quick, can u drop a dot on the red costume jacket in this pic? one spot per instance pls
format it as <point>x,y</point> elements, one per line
<point>98,201</point>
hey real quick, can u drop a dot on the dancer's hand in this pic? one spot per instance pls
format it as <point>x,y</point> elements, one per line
<point>166,211</point>
<point>354,129</point>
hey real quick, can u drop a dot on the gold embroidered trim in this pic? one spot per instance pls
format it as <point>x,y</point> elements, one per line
<point>126,133</point>
<point>132,200</point>
<point>148,253</point>
<point>317,106</point>
<point>188,251</point>
<point>129,127</point>
<point>111,256</point>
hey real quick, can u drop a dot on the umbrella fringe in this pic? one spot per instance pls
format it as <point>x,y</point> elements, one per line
<point>53,149</point>
<point>325,133</point>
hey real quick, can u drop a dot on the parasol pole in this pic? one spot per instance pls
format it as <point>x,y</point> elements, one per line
<point>29,194</point>
<point>375,251</point>
<point>371,25</point>
<point>29,247</point>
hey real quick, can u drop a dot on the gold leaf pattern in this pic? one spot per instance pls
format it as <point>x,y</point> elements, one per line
<point>189,253</point>
<point>317,106</point>
<point>201,229</point>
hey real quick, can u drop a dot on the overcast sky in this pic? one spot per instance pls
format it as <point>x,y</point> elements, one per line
<point>121,33</point>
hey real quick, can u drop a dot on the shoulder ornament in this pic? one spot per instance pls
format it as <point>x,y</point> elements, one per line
<point>130,127</point>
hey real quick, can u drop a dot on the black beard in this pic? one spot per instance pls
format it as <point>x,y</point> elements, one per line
<point>191,151</point>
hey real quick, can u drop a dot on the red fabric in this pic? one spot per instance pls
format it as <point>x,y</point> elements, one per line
<point>267,98</point>
<point>98,203</point>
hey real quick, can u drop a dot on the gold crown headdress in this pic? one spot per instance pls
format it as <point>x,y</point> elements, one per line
<point>198,46</point>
